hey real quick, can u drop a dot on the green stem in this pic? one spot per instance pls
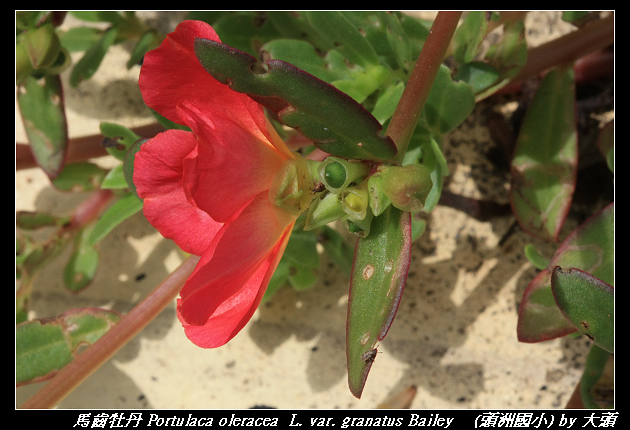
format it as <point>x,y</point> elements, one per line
<point>405,118</point>
<point>103,349</point>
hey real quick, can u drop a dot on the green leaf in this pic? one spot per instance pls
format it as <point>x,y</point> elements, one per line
<point>341,33</point>
<point>477,74</point>
<point>591,248</point>
<point>148,41</point>
<point>606,144</point>
<point>245,31</point>
<point>535,257</point>
<point>594,370</point>
<point>588,303</point>
<point>117,213</point>
<point>43,347</point>
<point>81,268</point>
<point>468,37</point>
<point>82,176</point>
<point>335,122</point>
<point>387,102</point>
<point>112,17</point>
<point>381,263</point>
<point>115,179</point>
<point>448,103</point>
<point>44,118</point>
<point>545,158</point>
<point>128,164</point>
<point>79,39</point>
<point>90,62</point>
<point>397,40</point>
<point>119,140</point>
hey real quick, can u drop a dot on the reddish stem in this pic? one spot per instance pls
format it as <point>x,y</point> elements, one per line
<point>80,148</point>
<point>405,118</point>
<point>103,349</point>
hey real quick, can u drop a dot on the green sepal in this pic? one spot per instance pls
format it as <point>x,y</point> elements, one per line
<point>335,122</point>
<point>379,273</point>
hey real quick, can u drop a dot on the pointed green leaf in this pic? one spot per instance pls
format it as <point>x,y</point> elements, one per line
<point>545,158</point>
<point>44,118</point>
<point>91,60</point>
<point>43,347</point>
<point>381,263</point>
<point>589,248</point>
<point>117,213</point>
<point>535,257</point>
<point>387,102</point>
<point>588,303</point>
<point>335,122</point>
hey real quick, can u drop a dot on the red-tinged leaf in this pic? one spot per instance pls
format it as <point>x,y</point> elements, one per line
<point>545,158</point>
<point>45,346</point>
<point>44,118</point>
<point>588,303</point>
<point>589,248</point>
<point>335,122</point>
<point>379,273</point>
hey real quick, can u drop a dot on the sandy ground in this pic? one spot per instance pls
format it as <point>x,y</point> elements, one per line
<point>454,336</point>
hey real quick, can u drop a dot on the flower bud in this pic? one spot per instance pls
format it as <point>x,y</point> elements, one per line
<point>407,187</point>
<point>324,211</point>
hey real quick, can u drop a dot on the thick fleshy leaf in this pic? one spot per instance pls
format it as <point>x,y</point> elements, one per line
<point>83,176</point>
<point>588,303</point>
<point>545,158</point>
<point>44,118</point>
<point>589,248</point>
<point>91,60</point>
<point>43,347</point>
<point>334,121</point>
<point>158,177</point>
<point>126,206</point>
<point>83,263</point>
<point>597,383</point>
<point>120,139</point>
<point>381,263</point>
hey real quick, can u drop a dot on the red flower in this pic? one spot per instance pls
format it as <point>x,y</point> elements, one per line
<point>227,191</point>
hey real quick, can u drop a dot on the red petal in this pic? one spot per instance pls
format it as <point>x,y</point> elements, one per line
<point>172,74</point>
<point>234,262</point>
<point>158,173</point>
<point>234,313</point>
<point>233,165</point>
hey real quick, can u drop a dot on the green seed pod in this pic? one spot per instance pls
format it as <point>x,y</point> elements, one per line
<point>407,187</point>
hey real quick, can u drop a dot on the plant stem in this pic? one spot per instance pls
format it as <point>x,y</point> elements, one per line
<point>405,118</point>
<point>592,37</point>
<point>98,353</point>
<point>80,148</point>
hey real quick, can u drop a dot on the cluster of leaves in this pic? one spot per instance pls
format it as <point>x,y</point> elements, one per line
<point>368,56</point>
